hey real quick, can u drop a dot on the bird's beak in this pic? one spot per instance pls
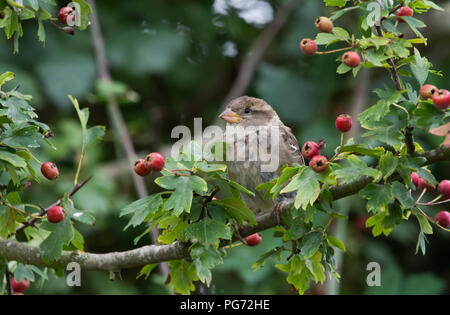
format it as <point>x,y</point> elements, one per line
<point>230,117</point>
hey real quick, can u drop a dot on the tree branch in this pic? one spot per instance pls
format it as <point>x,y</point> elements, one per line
<point>115,261</point>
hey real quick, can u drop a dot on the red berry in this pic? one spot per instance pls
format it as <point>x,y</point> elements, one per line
<point>308,46</point>
<point>324,24</point>
<point>360,222</point>
<point>319,163</point>
<point>343,123</point>
<point>140,168</point>
<point>21,286</point>
<point>444,188</point>
<point>154,162</point>
<point>63,14</point>
<point>55,214</point>
<point>253,239</point>
<point>427,91</point>
<point>310,149</point>
<point>443,219</point>
<point>441,99</point>
<point>351,59</point>
<point>50,170</point>
<point>415,179</point>
<point>404,11</point>
<point>424,185</point>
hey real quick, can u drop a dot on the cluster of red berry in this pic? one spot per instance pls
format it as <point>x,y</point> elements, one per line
<point>325,25</point>
<point>50,171</point>
<point>443,189</point>
<point>154,162</point>
<point>311,149</point>
<point>440,97</point>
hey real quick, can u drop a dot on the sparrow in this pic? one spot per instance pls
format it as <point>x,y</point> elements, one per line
<point>247,119</point>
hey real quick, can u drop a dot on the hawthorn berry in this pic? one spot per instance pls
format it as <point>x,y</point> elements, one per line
<point>360,222</point>
<point>351,59</point>
<point>324,24</point>
<point>308,46</point>
<point>415,179</point>
<point>310,149</point>
<point>64,13</point>
<point>427,90</point>
<point>154,162</point>
<point>343,123</point>
<point>424,185</point>
<point>441,99</point>
<point>319,163</point>
<point>140,168</point>
<point>404,11</point>
<point>443,219</point>
<point>50,170</point>
<point>254,239</point>
<point>444,188</point>
<point>20,287</point>
<point>55,214</point>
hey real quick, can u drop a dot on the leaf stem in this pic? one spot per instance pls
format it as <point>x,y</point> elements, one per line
<point>333,51</point>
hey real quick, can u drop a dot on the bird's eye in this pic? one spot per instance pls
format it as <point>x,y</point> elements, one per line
<point>247,110</point>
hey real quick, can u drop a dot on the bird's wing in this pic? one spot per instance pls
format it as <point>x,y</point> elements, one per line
<point>289,148</point>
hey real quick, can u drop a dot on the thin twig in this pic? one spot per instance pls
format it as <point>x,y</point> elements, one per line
<point>8,279</point>
<point>116,116</point>
<point>33,221</point>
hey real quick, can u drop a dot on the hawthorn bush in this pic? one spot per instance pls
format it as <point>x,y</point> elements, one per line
<point>199,210</point>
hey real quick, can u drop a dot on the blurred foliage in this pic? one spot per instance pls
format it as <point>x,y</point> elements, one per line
<point>171,53</point>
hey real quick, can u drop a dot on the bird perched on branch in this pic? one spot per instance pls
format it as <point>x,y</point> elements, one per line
<point>258,144</point>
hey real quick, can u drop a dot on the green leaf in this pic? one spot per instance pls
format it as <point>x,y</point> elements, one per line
<point>414,24</point>
<point>237,209</point>
<point>143,209</point>
<point>425,226</point>
<point>298,275</point>
<point>326,39</point>
<point>77,240</point>
<point>307,185</point>
<point>353,169</point>
<point>403,195</point>
<point>208,232</point>
<point>420,67</point>
<point>61,234</point>
<point>333,241</point>
<point>5,77</point>
<point>276,253</point>
<point>181,199</point>
<point>378,197</point>
<point>388,164</point>
<point>83,217</point>
<point>146,270</point>
<point>23,272</point>
<point>205,259</point>
<point>427,176</point>
<point>343,68</point>
<point>182,275</point>
<point>85,11</point>
<point>335,3</point>
<point>363,149</point>
<point>22,136</point>
<point>12,159</point>
<point>341,33</point>
<point>311,243</point>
